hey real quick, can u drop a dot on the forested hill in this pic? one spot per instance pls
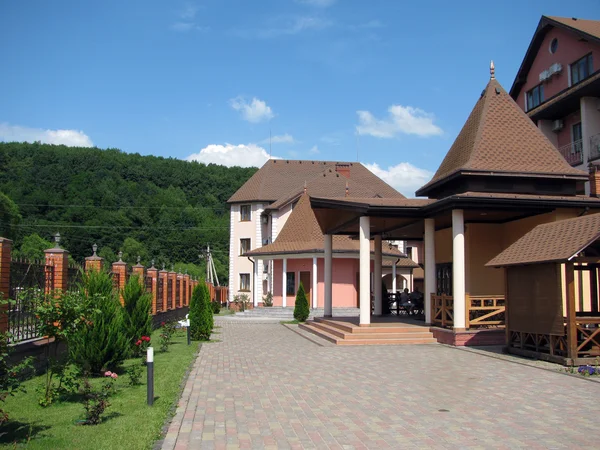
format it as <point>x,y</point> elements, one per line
<point>168,208</point>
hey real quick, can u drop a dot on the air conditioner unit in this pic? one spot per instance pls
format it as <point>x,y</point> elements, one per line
<point>557,125</point>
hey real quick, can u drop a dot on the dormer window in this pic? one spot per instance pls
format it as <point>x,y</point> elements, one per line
<point>245,213</point>
<point>535,97</point>
<point>581,69</point>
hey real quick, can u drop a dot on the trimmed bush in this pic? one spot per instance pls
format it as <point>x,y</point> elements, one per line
<point>138,306</point>
<point>201,315</point>
<point>301,310</point>
<point>103,344</point>
<point>216,307</point>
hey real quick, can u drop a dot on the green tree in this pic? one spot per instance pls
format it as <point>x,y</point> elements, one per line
<point>9,217</point>
<point>301,310</point>
<point>33,247</point>
<point>138,305</point>
<point>132,249</point>
<point>201,316</point>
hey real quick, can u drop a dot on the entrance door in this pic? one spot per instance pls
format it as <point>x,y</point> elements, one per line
<point>305,280</point>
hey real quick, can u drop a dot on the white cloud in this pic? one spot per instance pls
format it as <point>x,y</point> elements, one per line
<point>403,177</point>
<point>188,26</point>
<point>189,11</point>
<point>72,138</point>
<point>279,139</point>
<point>317,3</point>
<point>401,120</point>
<point>255,111</point>
<point>229,155</point>
<point>285,26</point>
<point>314,150</point>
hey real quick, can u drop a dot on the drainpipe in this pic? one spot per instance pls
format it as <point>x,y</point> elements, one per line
<point>254,282</point>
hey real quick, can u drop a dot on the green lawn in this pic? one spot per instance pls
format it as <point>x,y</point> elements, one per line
<point>129,422</point>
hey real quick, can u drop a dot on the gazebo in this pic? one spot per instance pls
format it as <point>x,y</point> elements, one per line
<point>552,291</point>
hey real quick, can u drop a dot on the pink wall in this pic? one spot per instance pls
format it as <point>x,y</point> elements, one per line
<point>564,136</point>
<point>344,281</point>
<point>569,50</point>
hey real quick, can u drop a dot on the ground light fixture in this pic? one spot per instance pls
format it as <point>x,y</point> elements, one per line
<point>150,368</point>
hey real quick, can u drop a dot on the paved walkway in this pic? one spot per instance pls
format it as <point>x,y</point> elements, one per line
<point>265,386</point>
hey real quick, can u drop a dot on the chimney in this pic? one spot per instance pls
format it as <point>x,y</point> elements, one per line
<point>594,180</point>
<point>343,169</point>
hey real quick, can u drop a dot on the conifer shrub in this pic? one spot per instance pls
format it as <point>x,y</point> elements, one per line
<point>137,309</point>
<point>216,307</point>
<point>201,315</point>
<point>301,310</point>
<point>103,344</point>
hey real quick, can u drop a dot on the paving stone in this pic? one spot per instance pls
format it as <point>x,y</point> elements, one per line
<point>266,386</point>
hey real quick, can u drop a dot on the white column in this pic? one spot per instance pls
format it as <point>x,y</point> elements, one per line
<point>327,281</point>
<point>430,287</point>
<point>458,267</point>
<point>284,283</point>
<point>365,270</point>
<point>314,282</point>
<point>394,277</point>
<point>377,288</point>
<point>255,287</point>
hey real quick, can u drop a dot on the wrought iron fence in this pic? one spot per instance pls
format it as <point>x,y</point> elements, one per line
<point>573,152</point>
<point>27,284</point>
<point>186,291</point>
<point>169,294</point>
<point>74,277</point>
<point>177,293</point>
<point>148,283</point>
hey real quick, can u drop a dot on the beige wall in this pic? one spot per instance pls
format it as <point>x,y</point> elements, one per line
<point>482,244</point>
<point>443,246</point>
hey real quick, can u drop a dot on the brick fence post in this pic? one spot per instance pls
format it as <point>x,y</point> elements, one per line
<point>186,285</point>
<point>120,268</point>
<point>164,276</point>
<point>181,294</point>
<point>172,280</point>
<point>94,262</point>
<point>139,270</point>
<point>5,249</point>
<point>59,259</point>
<point>153,274</point>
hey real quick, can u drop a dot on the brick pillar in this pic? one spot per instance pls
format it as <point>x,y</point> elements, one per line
<point>164,275</point>
<point>181,294</point>
<point>59,259</point>
<point>120,268</point>
<point>186,283</point>
<point>94,262</point>
<point>138,270</point>
<point>153,274</point>
<point>594,180</point>
<point>172,280</point>
<point>5,249</point>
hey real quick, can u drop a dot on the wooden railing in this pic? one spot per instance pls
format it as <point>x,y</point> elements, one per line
<point>485,311</point>
<point>588,337</point>
<point>480,311</point>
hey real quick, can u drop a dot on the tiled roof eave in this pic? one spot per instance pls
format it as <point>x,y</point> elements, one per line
<point>258,252</point>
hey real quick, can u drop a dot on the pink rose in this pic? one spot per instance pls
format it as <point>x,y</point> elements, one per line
<point>114,375</point>
<point>108,373</point>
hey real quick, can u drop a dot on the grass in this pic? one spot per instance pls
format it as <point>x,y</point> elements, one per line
<point>129,423</point>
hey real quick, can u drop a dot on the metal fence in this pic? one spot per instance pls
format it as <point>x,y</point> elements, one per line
<point>148,283</point>
<point>177,293</point>
<point>27,284</point>
<point>169,293</point>
<point>74,277</point>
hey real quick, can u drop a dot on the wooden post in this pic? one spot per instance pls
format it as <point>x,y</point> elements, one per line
<point>5,251</point>
<point>506,322</point>
<point>467,308</point>
<point>153,274</point>
<point>571,324</point>
<point>594,287</point>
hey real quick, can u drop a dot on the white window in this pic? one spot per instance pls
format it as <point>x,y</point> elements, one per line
<point>244,246</point>
<point>245,282</point>
<point>245,213</point>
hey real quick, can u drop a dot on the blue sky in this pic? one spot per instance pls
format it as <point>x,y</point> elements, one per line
<point>389,81</point>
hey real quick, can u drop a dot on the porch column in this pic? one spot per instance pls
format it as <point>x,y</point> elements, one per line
<point>458,268</point>
<point>365,271</point>
<point>430,287</point>
<point>255,285</point>
<point>377,288</point>
<point>284,283</point>
<point>328,304</point>
<point>394,277</point>
<point>314,282</point>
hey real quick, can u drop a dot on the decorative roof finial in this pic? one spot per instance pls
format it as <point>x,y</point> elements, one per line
<point>305,186</point>
<point>152,264</point>
<point>347,190</point>
<point>120,256</point>
<point>164,266</point>
<point>57,240</point>
<point>139,258</point>
<point>492,71</point>
<point>94,248</point>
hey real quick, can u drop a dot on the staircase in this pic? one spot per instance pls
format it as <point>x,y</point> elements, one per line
<point>288,313</point>
<point>345,331</point>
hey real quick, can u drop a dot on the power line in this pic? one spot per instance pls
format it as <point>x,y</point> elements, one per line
<point>114,227</point>
<point>122,207</point>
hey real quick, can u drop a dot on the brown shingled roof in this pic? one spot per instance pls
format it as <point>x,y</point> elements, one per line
<point>498,137</point>
<point>282,179</point>
<point>555,241</point>
<point>589,27</point>
<point>302,234</point>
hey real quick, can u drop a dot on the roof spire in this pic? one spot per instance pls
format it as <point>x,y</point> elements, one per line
<point>492,70</point>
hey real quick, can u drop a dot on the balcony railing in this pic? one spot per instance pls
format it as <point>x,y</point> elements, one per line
<point>595,147</point>
<point>573,152</point>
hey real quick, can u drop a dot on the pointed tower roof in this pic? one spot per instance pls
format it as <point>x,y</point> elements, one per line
<point>499,139</point>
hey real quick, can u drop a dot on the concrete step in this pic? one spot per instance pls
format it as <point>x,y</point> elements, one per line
<point>375,333</point>
<point>376,339</point>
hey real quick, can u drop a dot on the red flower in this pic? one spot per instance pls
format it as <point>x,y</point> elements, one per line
<point>162,324</point>
<point>145,338</point>
<point>138,343</point>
